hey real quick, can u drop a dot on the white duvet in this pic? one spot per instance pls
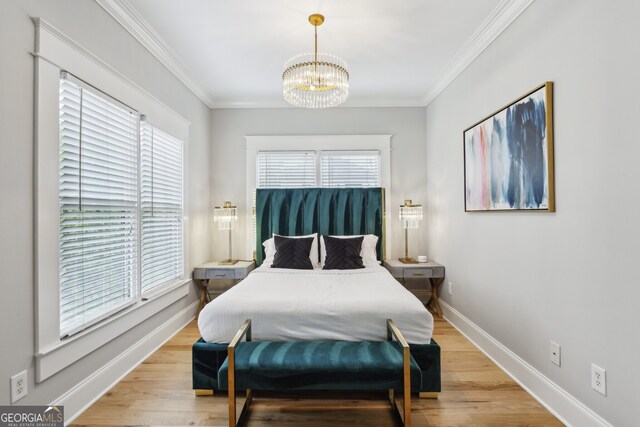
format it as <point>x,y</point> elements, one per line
<point>307,305</point>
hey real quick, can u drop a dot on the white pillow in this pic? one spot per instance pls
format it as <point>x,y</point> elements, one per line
<point>368,251</point>
<point>270,249</point>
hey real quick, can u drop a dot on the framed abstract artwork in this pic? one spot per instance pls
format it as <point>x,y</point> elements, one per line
<point>508,157</point>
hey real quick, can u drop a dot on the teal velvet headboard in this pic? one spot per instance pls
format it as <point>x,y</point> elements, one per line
<point>329,211</point>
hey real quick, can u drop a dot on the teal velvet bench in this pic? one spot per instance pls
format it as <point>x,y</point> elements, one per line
<point>320,365</point>
<point>207,358</point>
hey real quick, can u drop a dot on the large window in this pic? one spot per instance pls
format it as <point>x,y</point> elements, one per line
<point>120,195</point>
<point>109,218</point>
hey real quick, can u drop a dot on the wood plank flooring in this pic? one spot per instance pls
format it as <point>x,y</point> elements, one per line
<point>475,393</point>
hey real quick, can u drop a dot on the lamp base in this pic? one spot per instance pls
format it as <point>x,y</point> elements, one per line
<point>408,260</point>
<point>228,261</point>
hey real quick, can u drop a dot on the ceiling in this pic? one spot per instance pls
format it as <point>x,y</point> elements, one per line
<point>231,52</point>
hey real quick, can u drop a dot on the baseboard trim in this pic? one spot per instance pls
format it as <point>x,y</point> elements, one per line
<point>558,401</point>
<point>86,393</point>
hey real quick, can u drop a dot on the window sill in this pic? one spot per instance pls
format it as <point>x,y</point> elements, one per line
<point>55,358</point>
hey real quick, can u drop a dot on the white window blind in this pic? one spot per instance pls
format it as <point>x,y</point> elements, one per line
<point>161,160</point>
<point>349,169</point>
<point>98,195</point>
<point>286,169</point>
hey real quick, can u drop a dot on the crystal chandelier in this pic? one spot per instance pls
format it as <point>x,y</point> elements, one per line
<point>315,80</point>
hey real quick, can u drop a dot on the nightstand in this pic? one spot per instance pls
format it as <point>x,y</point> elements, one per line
<point>423,280</point>
<point>213,278</point>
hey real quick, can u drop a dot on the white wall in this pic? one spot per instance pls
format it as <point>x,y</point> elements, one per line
<point>569,276</point>
<point>228,170</point>
<point>92,27</point>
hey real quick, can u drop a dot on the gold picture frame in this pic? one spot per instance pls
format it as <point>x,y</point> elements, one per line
<point>508,157</point>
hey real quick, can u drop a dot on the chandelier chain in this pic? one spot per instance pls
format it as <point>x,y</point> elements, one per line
<point>315,59</point>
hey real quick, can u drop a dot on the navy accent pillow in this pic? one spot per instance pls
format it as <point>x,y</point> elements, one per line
<point>292,253</point>
<point>343,254</point>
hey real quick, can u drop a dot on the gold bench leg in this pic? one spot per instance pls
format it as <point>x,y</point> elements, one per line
<point>405,412</point>
<point>428,395</point>
<point>244,412</point>
<point>203,392</point>
<point>231,350</point>
<point>406,393</point>
<point>232,397</point>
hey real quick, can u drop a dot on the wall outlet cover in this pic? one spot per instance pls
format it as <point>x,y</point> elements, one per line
<point>450,288</point>
<point>599,379</point>
<point>18,386</point>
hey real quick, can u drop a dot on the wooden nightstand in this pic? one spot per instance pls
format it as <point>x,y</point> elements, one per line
<point>423,280</point>
<point>213,278</point>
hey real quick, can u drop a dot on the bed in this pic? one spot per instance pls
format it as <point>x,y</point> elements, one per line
<point>307,305</point>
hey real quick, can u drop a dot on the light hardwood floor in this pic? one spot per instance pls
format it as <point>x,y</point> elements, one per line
<point>475,393</point>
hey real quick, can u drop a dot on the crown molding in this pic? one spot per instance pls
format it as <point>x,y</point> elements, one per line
<point>127,16</point>
<point>351,103</point>
<point>500,18</point>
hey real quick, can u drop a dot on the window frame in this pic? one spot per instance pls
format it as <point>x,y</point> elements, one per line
<point>55,52</point>
<point>317,143</point>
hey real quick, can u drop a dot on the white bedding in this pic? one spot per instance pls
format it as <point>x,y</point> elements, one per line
<point>307,305</point>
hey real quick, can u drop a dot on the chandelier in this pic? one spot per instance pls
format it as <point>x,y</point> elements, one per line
<point>315,80</point>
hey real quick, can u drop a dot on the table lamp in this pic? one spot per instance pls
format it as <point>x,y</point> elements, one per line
<point>410,214</point>
<point>226,216</point>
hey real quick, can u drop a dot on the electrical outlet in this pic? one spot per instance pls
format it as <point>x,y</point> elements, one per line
<point>18,386</point>
<point>599,379</point>
<point>554,353</point>
<point>450,290</point>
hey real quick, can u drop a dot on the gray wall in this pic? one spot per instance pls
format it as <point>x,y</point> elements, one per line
<point>569,276</point>
<point>408,174</point>
<point>92,27</point>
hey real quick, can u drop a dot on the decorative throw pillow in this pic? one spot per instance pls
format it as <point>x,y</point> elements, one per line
<point>292,253</point>
<point>343,254</point>
<point>368,251</point>
<point>270,249</point>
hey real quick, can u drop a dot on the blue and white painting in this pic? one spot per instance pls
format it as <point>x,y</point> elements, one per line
<point>509,157</point>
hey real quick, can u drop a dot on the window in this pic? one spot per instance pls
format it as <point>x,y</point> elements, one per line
<point>286,169</point>
<point>98,207</point>
<point>120,195</point>
<point>89,200</point>
<point>349,169</point>
<point>161,200</point>
<point>338,168</point>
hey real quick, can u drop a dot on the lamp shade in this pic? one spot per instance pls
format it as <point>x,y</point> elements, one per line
<point>410,214</point>
<point>225,215</point>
